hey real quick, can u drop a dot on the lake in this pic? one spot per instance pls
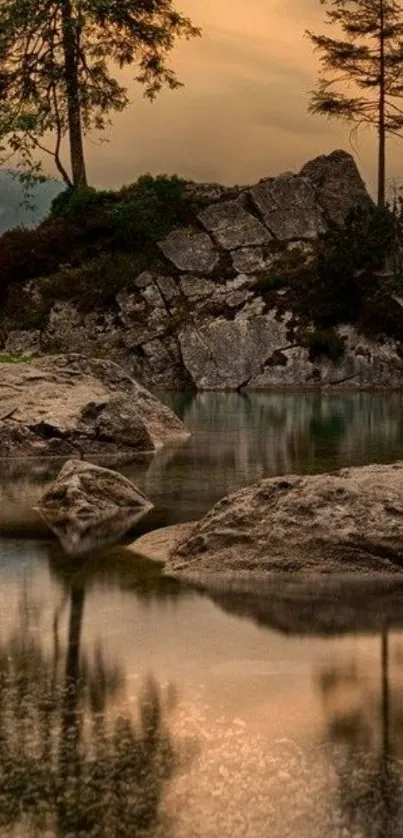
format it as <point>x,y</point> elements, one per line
<point>131,705</point>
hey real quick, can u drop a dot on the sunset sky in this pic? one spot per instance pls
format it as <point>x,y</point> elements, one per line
<point>242,114</point>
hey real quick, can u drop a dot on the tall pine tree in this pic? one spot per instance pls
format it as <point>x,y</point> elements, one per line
<point>361,76</point>
<point>58,61</point>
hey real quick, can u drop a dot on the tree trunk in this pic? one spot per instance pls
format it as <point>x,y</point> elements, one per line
<point>79,175</point>
<point>381,116</point>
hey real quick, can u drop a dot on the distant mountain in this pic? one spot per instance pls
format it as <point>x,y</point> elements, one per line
<point>12,211</point>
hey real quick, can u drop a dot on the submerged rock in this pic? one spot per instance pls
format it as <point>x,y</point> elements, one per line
<point>88,506</point>
<point>350,521</point>
<point>69,404</point>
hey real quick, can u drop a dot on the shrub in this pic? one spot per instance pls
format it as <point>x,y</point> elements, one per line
<point>25,253</point>
<point>322,343</point>
<point>147,211</point>
<point>286,267</point>
<point>96,282</point>
<point>72,203</point>
<point>332,290</point>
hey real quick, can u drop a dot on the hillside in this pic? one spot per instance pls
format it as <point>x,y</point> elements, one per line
<point>200,285</point>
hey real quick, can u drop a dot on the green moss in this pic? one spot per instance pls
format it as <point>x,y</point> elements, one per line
<point>10,358</point>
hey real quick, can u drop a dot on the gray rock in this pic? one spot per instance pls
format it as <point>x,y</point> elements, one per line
<point>237,299</point>
<point>364,364</point>
<point>70,330</point>
<point>197,287</point>
<point>190,250</point>
<point>23,343</point>
<point>89,507</point>
<point>250,260</point>
<point>152,295</point>
<point>232,226</point>
<point>227,354</point>
<point>337,182</point>
<point>131,307</point>
<point>68,404</point>
<point>347,522</point>
<point>144,279</point>
<point>168,288</point>
<point>288,206</point>
<point>251,308</point>
<point>205,193</point>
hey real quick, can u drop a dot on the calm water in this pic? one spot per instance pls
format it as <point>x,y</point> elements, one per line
<point>131,706</point>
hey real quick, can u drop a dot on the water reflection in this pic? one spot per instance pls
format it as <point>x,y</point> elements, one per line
<point>365,729</point>
<point>70,763</point>
<point>290,693</point>
<point>236,440</point>
<point>239,439</point>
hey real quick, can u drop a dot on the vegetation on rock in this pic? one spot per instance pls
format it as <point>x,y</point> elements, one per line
<point>96,245</point>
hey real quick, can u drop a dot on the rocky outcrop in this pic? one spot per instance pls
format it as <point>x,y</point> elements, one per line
<point>70,404</point>
<point>88,506</point>
<point>347,522</point>
<point>211,316</point>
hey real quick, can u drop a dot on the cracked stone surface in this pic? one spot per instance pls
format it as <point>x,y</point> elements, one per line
<point>347,522</point>
<point>197,287</point>
<point>289,208</point>
<point>250,260</point>
<point>229,353</point>
<point>337,182</point>
<point>68,403</point>
<point>190,250</point>
<point>211,320</point>
<point>232,226</point>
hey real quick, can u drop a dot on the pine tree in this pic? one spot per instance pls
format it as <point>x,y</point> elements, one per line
<point>362,70</point>
<point>57,61</point>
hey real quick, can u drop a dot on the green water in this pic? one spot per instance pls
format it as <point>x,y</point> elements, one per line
<point>133,706</point>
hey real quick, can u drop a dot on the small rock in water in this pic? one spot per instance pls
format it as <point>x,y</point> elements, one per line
<point>88,506</point>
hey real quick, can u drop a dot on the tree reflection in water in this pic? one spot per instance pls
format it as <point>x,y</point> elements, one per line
<point>68,766</point>
<point>366,736</point>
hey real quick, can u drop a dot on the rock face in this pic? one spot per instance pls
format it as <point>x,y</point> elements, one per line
<point>88,506</point>
<point>289,207</point>
<point>347,522</point>
<point>69,404</point>
<point>210,317</point>
<point>336,182</point>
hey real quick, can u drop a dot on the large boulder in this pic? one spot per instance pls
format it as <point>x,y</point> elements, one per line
<point>350,522</point>
<point>190,250</point>
<point>288,206</point>
<point>232,226</point>
<point>337,182</point>
<point>68,405</point>
<point>88,506</point>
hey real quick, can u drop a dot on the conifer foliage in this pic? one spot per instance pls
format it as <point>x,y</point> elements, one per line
<point>58,71</point>
<point>362,69</point>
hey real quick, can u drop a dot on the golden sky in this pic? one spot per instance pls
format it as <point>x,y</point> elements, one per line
<point>242,114</point>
